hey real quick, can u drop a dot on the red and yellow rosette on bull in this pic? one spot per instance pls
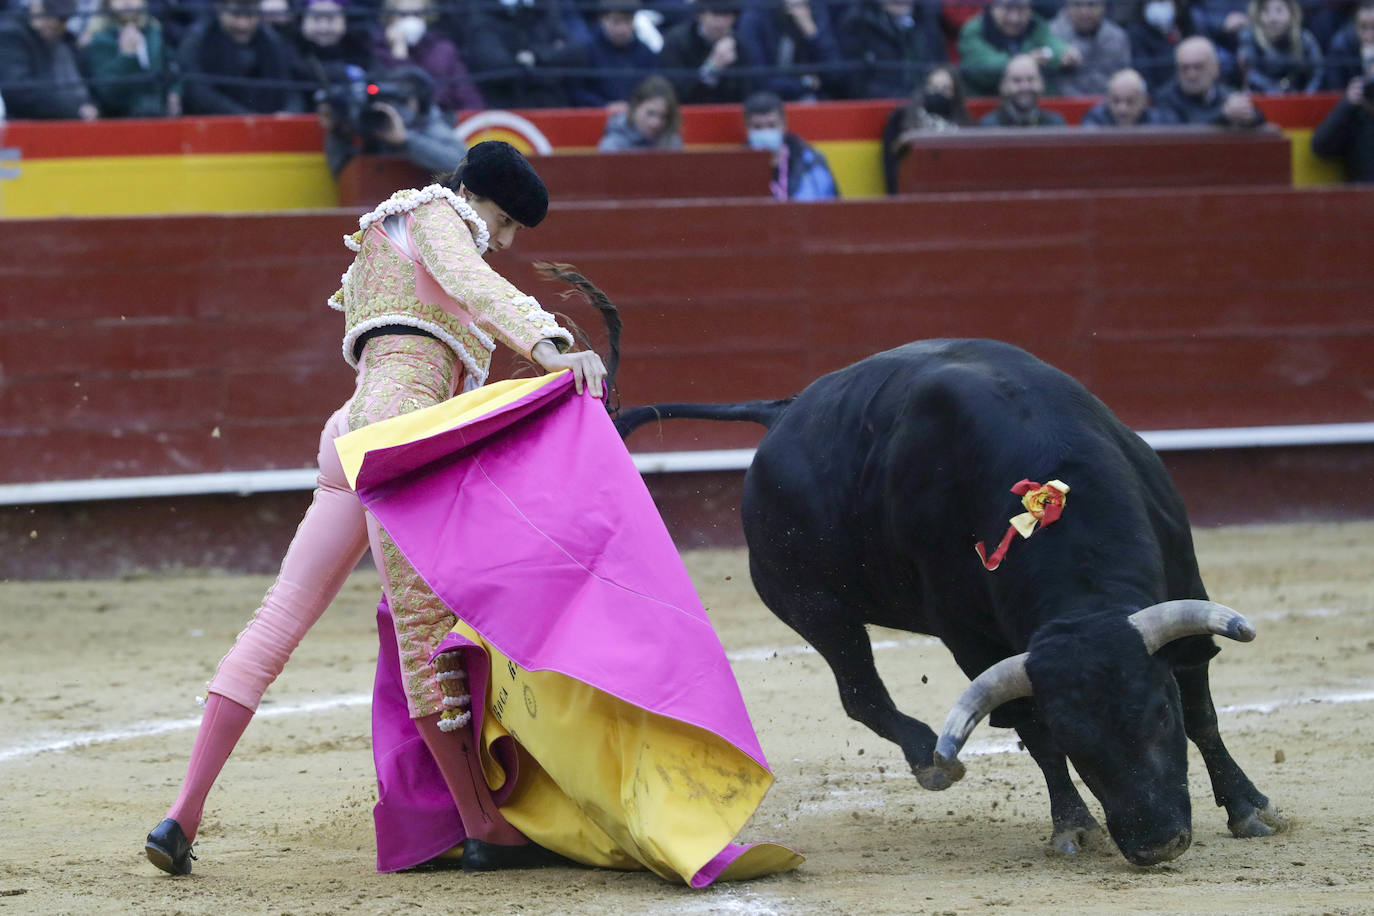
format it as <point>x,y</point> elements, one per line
<point>1044,504</point>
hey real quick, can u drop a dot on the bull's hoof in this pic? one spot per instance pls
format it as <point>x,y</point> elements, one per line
<point>1265,821</point>
<point>1070,841</point>
<point>941,774</point>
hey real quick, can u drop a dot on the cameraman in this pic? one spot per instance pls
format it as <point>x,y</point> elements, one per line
<point>393,114</point>
<point>1348,131</point>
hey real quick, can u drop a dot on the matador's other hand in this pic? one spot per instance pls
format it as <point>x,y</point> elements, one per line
<point>589,372</point>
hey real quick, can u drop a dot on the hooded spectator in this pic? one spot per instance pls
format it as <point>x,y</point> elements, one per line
<point>39,75</point>
<point>232,64</point>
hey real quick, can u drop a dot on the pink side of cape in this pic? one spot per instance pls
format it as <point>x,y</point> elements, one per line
<point>534,526</point>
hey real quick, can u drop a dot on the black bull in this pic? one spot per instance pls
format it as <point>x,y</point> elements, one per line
<point>1092,638</point>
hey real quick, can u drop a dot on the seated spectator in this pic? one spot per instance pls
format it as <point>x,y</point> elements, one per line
<point>620,59</point>
<point>651,120</point>
<point>515,49</point>
<point>401,120</point>
<point>937,106</point>
<point>1220,20</point>
<point>1021,89</point>
<point>1276,53</point>
<point>280,15</point>
<point>232,64</point>
<point>1348,131</point>
<point>701,56</point>
<point>799,172</point>
<point>128,63</point>
<point>891,44</point>
<point>1155,31</point>
<point>1102,46</point>
<point>1007,28</point>
<point>789,36</point>
<point>327,44</point>
<point>407,40</point>
<point>39,76</point>
<point>1127,104</point>
<point>1351,52</point>
<point>1196,95</point>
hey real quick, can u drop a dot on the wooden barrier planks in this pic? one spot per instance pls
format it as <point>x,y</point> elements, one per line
<point>188,344</point>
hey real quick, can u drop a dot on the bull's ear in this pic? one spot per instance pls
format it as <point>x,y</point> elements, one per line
<point>1161,624</point>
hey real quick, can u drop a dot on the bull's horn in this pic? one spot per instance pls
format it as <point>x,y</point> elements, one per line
<point>1163,623</point>
<point>1006,680</point>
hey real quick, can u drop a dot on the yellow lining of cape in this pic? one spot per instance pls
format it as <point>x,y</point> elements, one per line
<point>421,424</point>
<point>609,784</point>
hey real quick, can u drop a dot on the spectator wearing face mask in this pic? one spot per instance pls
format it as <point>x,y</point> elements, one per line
<point>799,171</point>
<point>936,106</point>
<point>1155,32</point>
<point>406,40</point>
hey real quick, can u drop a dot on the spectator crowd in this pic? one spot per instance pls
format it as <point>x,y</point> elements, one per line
<point>392,74</point>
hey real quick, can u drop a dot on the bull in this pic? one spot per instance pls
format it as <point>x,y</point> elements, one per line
<point>870,500</point>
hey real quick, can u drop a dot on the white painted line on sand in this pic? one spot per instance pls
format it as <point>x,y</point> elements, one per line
<point>56,744</point>
<point>47,743</point>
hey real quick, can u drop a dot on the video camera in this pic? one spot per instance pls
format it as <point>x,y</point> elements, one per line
<point>353,100</point>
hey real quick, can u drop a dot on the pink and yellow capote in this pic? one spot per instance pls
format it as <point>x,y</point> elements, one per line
<point>612,728</point>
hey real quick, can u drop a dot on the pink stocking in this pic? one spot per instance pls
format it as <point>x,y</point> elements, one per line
<point>220,729</point>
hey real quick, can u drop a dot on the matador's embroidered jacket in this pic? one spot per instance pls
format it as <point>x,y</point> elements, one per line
<point>420,264</point>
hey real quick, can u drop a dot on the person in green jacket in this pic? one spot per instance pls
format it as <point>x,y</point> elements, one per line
<point>1005,29</point>
<point>127,65</point>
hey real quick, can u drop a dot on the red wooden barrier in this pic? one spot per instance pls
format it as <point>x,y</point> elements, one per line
<point>1066,157</point>
<point>183,344</point>
<point>187,344</point>
<point>648,175</point>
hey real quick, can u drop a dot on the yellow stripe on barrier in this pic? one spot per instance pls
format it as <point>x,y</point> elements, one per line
<point>130,185</point>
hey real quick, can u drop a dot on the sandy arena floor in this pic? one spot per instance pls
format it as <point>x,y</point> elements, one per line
<point>112,667</point>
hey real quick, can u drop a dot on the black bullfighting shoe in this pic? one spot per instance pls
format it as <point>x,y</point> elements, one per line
<point>482,856</point>
<point>168,848</point>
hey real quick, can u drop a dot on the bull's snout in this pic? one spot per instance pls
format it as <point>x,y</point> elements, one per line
<point>1162,853</point>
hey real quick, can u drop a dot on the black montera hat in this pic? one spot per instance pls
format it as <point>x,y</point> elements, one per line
<point>496,170</point>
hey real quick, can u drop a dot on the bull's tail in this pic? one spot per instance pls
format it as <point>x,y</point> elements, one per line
<point>588,290</point>
<point>765,413</point>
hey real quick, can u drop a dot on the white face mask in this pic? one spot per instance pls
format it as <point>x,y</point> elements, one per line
<point>412,29</point>
<point>1160,14</point>
<point>768,138</point>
